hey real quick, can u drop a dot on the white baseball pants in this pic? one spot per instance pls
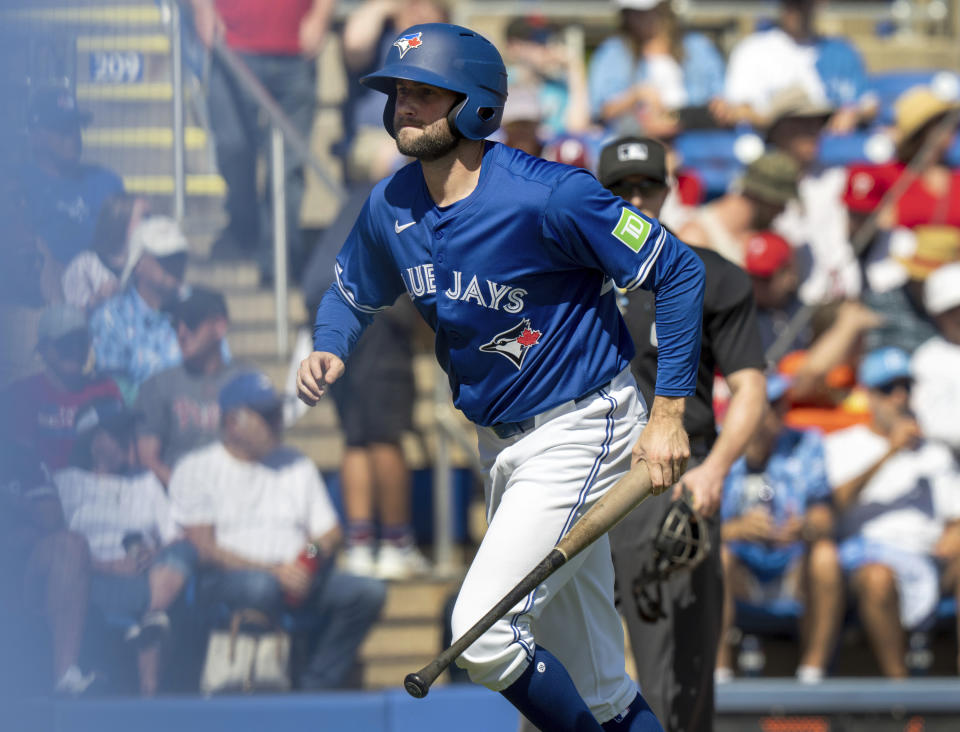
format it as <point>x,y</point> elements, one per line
<point>540,483</point>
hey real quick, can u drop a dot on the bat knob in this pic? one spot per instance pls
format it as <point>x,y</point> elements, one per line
<point>416,686</point>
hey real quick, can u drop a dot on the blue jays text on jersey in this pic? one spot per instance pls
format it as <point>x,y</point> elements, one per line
<point>515,281</point>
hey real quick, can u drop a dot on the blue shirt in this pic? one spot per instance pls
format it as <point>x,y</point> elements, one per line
<point>515,281</point>
<point>614,69</point>
<point>64,209</point>
<point>795,478</point>
<point>841,69</point>
<point>131,340</point>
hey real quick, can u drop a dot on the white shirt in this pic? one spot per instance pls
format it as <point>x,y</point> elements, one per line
<point>666,76</point>
<point>819,220</point>
<point>103,508</point>
<point>936,390</point>
<point>84,277</point>
<point>766,62</point>
<point>907,501</point>
<point>262,511</point>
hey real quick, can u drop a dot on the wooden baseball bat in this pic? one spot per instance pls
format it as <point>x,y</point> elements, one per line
<point>625,495</point>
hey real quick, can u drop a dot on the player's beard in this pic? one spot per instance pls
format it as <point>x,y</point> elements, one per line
<point>435,141</point>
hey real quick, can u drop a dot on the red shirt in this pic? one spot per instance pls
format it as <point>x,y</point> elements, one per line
<point>44,414</point>
<point>917,207</point>
<point>264,27</point>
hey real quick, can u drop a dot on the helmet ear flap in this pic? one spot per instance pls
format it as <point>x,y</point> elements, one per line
<point>388,111</point>
<point>454,113</point>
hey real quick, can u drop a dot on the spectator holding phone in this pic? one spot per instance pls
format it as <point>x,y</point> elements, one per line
<point>139,563</point>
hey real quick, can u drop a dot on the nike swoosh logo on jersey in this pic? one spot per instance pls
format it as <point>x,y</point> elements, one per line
<point>397,228</point>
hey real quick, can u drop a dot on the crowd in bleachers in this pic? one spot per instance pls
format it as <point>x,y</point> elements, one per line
<point>145,481</point>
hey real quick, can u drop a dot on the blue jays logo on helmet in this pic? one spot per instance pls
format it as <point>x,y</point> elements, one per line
<point>405,43</point>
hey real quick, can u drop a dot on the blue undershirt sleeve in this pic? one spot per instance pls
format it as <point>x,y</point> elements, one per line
<point>338,326</point>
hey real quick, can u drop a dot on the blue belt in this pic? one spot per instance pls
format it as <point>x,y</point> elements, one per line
<point>505,430</point>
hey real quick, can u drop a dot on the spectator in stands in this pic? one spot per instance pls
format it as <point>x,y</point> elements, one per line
<point>898,499</point>
<point>279,43</point>
<point>936,364</point>
<point>133,337</point>
<point>140,564</point>
<point>64,195</point>
<point>44,571</point>
<point>521,123</point>
<point>94,274</point>
<point>791,53</point>
<point>366,149</point>
<point>642,76</point>
<point>180,405</point>
<point>375,407</point>
<point>933,197</point>
<point>906,323</point>
<point>251,506</point>
<point>777,536</point>
<point>824,394</point>
<point>770,262</point>
<point>41,409</point>
<point>725,225</point>
<point>540,60</point>
<point>816,222</point>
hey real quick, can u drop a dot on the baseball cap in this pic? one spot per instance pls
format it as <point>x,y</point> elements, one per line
<point>197,305</point>
<point>523,105</point>
<point>58,320</point>
<point>533,28</point>
<point>941,291</point>
<point>794,102</point>
<point>568,150</point>
<point>772,178</point>
<point>766,253</point>
<point>626,156</point>
<point>883,365</point>
<point>55,108</point>
<point>109,414</point>
<point>250,389</point>
<point>777,386</point>
<point>864,190</point>
<point>159,236</point>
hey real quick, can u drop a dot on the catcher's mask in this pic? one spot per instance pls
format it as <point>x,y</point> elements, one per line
<point>681,543</point>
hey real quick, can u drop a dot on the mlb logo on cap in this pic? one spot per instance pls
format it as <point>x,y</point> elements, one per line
<point>632,151</point>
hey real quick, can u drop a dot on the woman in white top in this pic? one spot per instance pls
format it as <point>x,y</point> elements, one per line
<point>94,274</point>
<point>140,563</point>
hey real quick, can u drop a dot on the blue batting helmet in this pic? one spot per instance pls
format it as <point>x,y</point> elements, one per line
<point>450,57</point>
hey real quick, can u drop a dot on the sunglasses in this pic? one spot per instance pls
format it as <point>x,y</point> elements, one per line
<point>889,388</point>
<point>629,190</point>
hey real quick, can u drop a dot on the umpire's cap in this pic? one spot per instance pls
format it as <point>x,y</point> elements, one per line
<point>450,57</point>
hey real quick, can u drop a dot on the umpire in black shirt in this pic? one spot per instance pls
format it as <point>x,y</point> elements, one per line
<point>676,647</point>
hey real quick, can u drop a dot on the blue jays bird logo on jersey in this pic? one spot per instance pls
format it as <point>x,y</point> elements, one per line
<point>513,344</point>
<point>405,43</point>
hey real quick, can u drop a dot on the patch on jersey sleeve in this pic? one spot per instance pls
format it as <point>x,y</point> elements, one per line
<point>632,230</point>
<point>514,343</point>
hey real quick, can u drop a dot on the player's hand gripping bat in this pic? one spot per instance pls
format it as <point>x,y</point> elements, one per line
<point>616,503</point>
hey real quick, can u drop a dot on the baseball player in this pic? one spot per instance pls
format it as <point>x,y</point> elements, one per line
<point>675,652</point>
<point>512,261</point>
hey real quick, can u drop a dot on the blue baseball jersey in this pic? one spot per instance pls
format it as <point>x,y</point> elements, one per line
<point>517,282</point>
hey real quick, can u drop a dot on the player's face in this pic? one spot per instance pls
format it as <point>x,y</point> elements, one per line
<point>420,120</point>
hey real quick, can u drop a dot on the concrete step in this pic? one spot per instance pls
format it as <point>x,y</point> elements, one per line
<point>389,673</point>
<point>255,306</point>
<point>223,276</point>
<point>393,640</point>
<point>410,601</point>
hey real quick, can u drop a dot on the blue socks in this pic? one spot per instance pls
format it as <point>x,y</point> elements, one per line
<point>637,718</point>
<point>545,695</point>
